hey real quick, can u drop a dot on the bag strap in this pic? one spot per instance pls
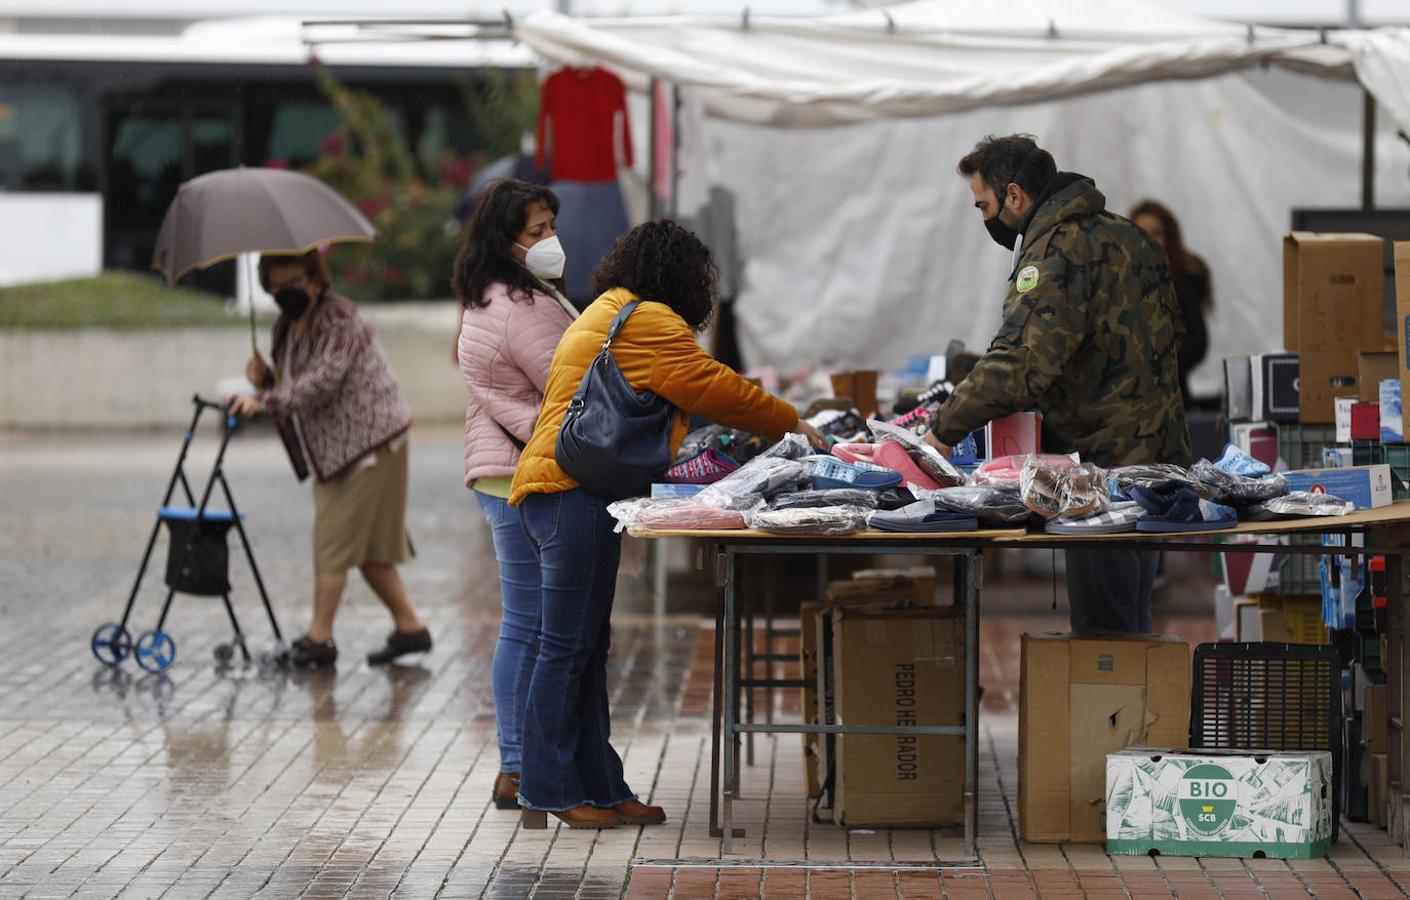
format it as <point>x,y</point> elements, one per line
<point>618,322</point>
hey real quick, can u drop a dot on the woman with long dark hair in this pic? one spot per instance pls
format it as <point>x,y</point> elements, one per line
<point>507,276</point>
<point>1190,276</point>
<point>570,768</point>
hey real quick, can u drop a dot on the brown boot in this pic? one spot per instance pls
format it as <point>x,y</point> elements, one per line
<point>578,817</point>
<point>506,790</point>
<point>634,812</point>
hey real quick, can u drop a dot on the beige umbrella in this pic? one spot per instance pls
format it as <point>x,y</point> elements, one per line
<point>219,215</point>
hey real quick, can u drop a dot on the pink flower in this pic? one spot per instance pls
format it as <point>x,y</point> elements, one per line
<point>276,163</point>
<point>334,143</point>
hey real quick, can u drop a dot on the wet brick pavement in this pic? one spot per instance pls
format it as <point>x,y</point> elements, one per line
<point>250,781</point>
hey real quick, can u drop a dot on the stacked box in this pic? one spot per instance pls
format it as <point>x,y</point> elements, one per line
<point>1274,804</point>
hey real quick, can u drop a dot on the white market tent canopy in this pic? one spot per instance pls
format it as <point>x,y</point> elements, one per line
<point>932,57</point>
<point>838,135</point>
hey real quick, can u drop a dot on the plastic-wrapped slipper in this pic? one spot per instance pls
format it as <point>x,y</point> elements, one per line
<point>832,473</point>
<point>706,467</point>
<point>922,517</point>
<point>891,455</point>
<point>1173,507</point>
<point>855,453</point>
<point>1116,519</point>
<point>812,499</point>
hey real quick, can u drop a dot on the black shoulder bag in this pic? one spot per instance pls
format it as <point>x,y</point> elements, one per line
<point>614,441</point>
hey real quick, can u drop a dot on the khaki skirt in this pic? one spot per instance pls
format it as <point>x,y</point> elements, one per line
<point>360,516</point>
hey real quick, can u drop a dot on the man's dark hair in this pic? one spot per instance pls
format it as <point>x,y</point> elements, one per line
<point>664,262</point>
<point>1014,158</point>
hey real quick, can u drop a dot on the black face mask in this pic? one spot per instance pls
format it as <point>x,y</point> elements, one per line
<point>1005,236</point>
<point>293,301</point>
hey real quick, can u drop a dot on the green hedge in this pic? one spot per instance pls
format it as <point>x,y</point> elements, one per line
<point>115,299</point>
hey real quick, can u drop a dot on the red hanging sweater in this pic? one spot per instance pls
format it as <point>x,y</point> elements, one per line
<point>579,107</point>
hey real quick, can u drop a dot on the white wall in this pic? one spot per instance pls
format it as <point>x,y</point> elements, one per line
<point>49,236</point>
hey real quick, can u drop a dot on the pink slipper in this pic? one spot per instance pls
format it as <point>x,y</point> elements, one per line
<point>892,455</point>
<point>855,453</point>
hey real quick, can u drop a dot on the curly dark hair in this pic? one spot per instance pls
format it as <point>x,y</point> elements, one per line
<point>491,230</point>
<point>664,262</point>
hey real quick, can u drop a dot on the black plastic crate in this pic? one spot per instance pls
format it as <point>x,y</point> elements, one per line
<point>1267,696</point>
<point>1299,573</point>
<point>1367,453</point>
<point>1301,446</point>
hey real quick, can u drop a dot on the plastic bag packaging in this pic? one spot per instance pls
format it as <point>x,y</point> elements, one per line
<point>780,468</point>
<point>992,502</point>
<point>840,497</point>
<point>1085,491</point>
<point>1236,490</point>
<point>1127,477</point>
<point>931,461</point>
<point>1071,491</point>
<point>825,520</point>
<point>1008,469</point>
<point>673,515</point>
<point>1297,505</point>
<point>1236,462</point>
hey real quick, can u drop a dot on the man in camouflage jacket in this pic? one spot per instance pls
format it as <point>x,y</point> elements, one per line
<point>1090,335</point>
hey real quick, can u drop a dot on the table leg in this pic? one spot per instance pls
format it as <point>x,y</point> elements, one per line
<point>973,564</point>
<point>717,696</point>
<point>750,667</point>
<point>730,693</point>
<point>1397,666</point>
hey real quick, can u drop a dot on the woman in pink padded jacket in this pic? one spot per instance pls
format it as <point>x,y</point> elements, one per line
<point>508,278</point>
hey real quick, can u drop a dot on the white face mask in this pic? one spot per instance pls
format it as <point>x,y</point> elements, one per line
<point>545,259</point>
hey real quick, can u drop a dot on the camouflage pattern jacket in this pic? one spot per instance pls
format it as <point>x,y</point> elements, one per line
<point>1090,336</point>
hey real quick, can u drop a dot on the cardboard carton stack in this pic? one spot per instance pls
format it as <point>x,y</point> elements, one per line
<point>1082,698</point>
<point>880,652</point>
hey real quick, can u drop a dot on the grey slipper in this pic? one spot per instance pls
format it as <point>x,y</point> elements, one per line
<point>1116,519</point>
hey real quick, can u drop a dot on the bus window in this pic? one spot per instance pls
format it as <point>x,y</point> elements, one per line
<point>41,139</point>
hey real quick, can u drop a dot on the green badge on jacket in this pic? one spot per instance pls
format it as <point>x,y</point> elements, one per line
<point>1027,279</point>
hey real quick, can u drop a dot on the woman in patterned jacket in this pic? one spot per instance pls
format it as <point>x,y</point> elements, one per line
<point>342,417</point>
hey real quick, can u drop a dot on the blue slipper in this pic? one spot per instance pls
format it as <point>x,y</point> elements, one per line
<point>923,518</point>
<point>1173,507</point>
<point>831,473</point>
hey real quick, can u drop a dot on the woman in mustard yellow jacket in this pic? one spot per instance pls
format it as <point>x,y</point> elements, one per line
<point>569,766</point>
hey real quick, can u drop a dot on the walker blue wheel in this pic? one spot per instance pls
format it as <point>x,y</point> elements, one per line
<point>111,644</point>
<point>155,651</point>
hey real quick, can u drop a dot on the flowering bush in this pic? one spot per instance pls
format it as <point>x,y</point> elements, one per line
<point>368,162</point>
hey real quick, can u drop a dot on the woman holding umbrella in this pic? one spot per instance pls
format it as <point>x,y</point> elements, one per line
<point>342,417</point>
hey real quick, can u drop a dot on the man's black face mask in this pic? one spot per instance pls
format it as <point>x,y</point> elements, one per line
<point>1005,236</point>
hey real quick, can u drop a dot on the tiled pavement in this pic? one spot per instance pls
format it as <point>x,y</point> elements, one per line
<point>256,782</point>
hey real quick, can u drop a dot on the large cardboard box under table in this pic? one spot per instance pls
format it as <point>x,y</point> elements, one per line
<point>890,587</point>
<point>899,667</point>
<point>1082,697</point>
<point>808,664</point>
<point>1333,310</point>
<point>1235,803</point>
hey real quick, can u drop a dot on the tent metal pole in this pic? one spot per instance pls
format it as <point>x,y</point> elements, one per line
<point>1368,151</point>
<point>675,149</point>
<point>651,155</point>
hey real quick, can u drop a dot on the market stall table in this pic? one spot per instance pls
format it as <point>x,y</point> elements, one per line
<point>968,548</point>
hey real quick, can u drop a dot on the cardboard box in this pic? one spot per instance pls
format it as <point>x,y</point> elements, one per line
<point>1344,405</point>
<point>1232,803</point>
<point>808,666</point>
<point>897,588</point>
<point>1375,718</point>
<point>1014,434</point>
<point>1333,300</point>
<point>1392,414</point>
<point>1402,315</point>
<point>899,667</point>
<point>1248,621</point>
<point>1368,487</point>
<point>1366,421</point>
<point>1082,697</point>
<point>1371,370</point>
<point>1271,626</point>
<point>1378,783</point>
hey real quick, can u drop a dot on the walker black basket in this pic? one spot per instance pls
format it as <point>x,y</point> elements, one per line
<point>198,561</point>
<point>1269,696</point>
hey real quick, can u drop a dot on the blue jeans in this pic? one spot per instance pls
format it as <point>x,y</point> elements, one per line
<point>518,644</point>
<point>568,759</point>
<point>1110,590</point>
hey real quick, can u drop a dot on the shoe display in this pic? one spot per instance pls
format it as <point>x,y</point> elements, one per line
<point>706,467</point>
<point>399,644</point>
<point>831,473</point>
